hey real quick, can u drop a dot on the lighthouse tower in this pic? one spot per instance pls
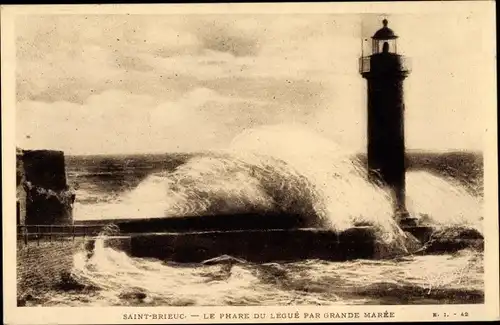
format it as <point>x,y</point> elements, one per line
<point>384,69</point>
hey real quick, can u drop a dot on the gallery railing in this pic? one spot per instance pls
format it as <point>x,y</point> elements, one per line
<point>38,233</point>
<point>404,64</point>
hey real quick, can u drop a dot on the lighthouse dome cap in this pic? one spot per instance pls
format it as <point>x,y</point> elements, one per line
<point>385,32</point>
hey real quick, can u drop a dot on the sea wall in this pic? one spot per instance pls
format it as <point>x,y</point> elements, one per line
<point>257,245</point>
<point>263,246</point>
<point>42,264</point>
<point>223,222</point>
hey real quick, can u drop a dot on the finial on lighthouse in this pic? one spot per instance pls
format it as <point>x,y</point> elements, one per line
<point>384,33</point>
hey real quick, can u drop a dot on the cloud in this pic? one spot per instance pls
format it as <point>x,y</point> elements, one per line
<point>69,58</point>
<point>118,122</point>
<point>85,83</point>
<point>225,36</point>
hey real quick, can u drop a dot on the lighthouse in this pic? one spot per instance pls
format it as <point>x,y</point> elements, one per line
<point>385,70</point>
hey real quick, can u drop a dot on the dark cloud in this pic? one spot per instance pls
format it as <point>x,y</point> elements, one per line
<point>71,90</point>
<point>78,90</point>
<point>236,45</point>
<point>132,63</point>
<point>224,37</point>
<point>287,93</point>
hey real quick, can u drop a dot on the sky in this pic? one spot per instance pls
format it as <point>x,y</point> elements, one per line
<point>91,84</point>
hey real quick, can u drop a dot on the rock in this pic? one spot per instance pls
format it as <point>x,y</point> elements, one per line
<point>403,245</point>
<point>24,299</point>
<point>89,248</point>
<point>412,244</point>
<point>110,230</point>
<point>68,282</point>
<point>135,294</point>
<point>274,269</point>
<point>453,239</point>
<point>273,273</point>
<point>223,259</point>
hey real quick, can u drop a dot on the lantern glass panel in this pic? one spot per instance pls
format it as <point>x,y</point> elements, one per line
<point>378,46</point>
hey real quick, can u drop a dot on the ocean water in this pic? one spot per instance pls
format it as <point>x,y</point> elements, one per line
<point>266,170</point>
